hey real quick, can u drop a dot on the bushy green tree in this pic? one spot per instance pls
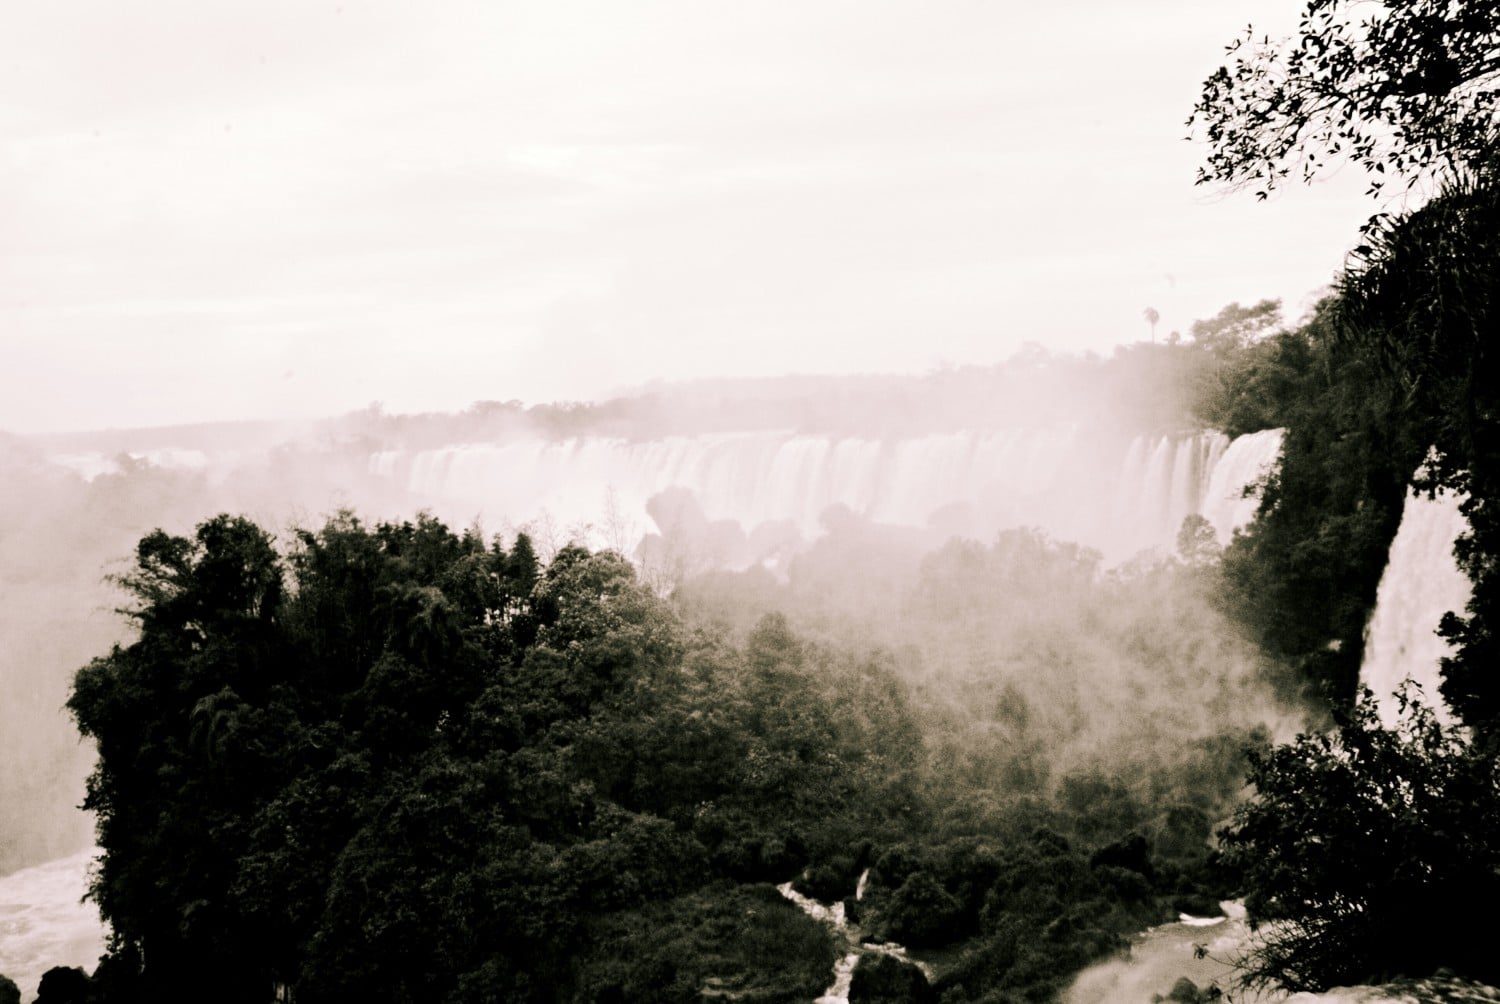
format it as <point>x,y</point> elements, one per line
<point>1366,850</point>
<point>397,763</point>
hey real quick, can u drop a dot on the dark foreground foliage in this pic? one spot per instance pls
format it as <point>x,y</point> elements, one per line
<point>398,763</point>
<point>1369,849</point>
<point>1424,298</point>
<point>1370,852</point>
<point>403,765</point>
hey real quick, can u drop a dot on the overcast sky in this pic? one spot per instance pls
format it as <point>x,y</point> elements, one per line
<point>283,208</point>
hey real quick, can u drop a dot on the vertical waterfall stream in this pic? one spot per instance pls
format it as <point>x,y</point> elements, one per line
<point>1421,582</point>
<point>852,942</point>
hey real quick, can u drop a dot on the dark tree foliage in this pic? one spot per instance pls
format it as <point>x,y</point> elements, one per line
<point>1232,389</point>
<point>1424,296</point>
<point>1303,576</point>
<point>1406,89</point>
<point>396,763</point>
<point>882,979</point>
<point>1367,851</point>
<point>1365,848</point>
<point>64,985</point>
<point>401,764</point>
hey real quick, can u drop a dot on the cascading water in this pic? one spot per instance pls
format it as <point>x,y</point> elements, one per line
<point>850,938</point>
<point>1421,582</point>
<point>44,923</point>
<point>1120,496</point>
<point>1113,493</point>
<point>1225,503</point>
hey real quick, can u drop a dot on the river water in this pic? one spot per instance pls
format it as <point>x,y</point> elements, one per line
<point>44,921</point>
<point>1162,955</point>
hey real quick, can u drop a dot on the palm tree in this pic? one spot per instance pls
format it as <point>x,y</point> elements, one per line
<point>1151,318</point>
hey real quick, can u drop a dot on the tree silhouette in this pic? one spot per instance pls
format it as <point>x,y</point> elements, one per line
<point>1406,90</point>
<point>1151,317</point>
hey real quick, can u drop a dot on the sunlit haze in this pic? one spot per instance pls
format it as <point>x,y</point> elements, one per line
<point>247,210</point>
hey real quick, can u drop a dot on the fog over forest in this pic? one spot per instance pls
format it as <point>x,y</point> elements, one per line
<point>805,503</point>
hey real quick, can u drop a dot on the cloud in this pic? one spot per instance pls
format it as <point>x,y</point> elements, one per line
<point>429,205</point>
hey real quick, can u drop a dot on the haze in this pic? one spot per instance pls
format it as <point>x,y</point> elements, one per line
<point>279,209</point>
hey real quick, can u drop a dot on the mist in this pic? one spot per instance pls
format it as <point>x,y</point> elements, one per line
<point>568,502</point>
<point>683,481</point>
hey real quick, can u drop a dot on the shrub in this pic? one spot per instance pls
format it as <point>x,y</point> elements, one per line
<point>1368,848</point>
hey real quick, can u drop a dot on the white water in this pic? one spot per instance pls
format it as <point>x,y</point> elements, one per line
<point>1421,582</point>
<point>850,937</point>
<point>1118,495</point>
<point>1225,502</point>
<point>1157,958</point>
<point>44,923</point>
<point>1162,955</point>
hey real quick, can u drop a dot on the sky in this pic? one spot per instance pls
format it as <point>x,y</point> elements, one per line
<point>292,208</point>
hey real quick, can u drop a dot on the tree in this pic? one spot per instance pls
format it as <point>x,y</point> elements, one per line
<point>1151,317</point>
<point>1422,295</point>
<point>1402,88</point>
<point>1197,541</point>
<point>1406,90</point>
<point>396,764</point>
<point>63,985</point>
<point>1237,327</point>
<point>1364,851</point>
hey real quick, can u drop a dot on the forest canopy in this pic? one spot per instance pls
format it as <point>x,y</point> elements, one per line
<point>393,762</point>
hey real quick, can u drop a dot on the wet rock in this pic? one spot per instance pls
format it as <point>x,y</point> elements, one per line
<point>881,979</point>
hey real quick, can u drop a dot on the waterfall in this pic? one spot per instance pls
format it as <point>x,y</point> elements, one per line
<point>851,939</point>
<point>1421,582</point>
<point>1116,494</point>
<point>44,921</point>
<point>1242,463</point>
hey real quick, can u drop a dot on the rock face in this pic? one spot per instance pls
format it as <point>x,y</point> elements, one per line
<point>881,979</point>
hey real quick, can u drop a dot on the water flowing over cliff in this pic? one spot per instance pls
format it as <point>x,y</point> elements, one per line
<point>1421,582</point>
<point>1120,495</point>
<point>44,923</point>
